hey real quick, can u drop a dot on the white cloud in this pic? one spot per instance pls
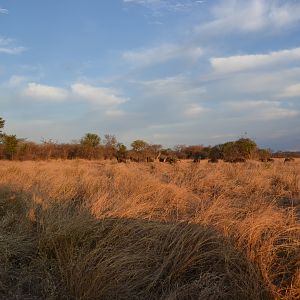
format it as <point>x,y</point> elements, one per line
<point>177,87</point>
<point>238,63</point>
<point>222,136</point>
<point>143,1</point>
<point>163,53</point>
<point>251,16</point>
<point>97,95</point>
<point>12,50</point>
<point>167,125</point>
<point>195,109</point>
<point>291,91</point>
<point>114,113</point>
<point>3,11</point>
<point>159,6</point>
<point>262,110</point>
<point>5,41</point>
<point>45,92</point>
<point>249,104</point>
<point>279,113</point>
<point>17,80</point>
<point>6,47</point>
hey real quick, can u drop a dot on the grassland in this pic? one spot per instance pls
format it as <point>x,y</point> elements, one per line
<point>102,230</point>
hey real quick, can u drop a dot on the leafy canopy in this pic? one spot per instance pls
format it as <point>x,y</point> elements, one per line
<point>2,122</point>
<point>90,140</point>
<point>139,145</point>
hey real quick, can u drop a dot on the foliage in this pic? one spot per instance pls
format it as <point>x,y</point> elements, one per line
<point>90,140</point>
<point>247,147</point>
<point>2,122</point>
<point>90,147</point>
<point>216,152</point>
<point>264,154</point>
<point>110,140</point>
<point>121,150</point>
<point>139,145</point>
<point>110,144</point>
<point>10,143</point>
<point>191,152</point>
<point>243,148</point>
<point>231,151</point>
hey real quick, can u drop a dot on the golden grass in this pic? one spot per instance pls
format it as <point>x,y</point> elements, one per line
<point>101,230</point>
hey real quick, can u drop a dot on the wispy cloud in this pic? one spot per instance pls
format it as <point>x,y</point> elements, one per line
<point>114,113</point>
<point>176,88</point>
<point>7,47</point>
<point>17,80</point>
<point>3,11</point>
<point>42,92</point>
<point>250,104</point>
<point>238,63</point>
<point>158,7</point>
<point>12,50</point>
<point>291,91</point>
<point>194,110</point>
<point>162,53</point>
<point>97,95</point>
<point>251,16</point>
<point>262,110</point>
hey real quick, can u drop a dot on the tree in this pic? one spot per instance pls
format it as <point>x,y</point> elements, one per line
<point>231,151</point>
<point>180,151</point>
<point>110,140</point>
<point>121,150</point>
<point>90,140</point>
<point>139,145</point>
<point>240,149</point>
<point>2,122</point>
<point>110,143</point>
<point>194,151</point>
<point>216,152</point>
<point>10,145</point>
<point>264,154</point>
<point>153,151</point>
<point>247,147</point>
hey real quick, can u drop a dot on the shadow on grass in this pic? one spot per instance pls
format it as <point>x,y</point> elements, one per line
<point>60,251</point>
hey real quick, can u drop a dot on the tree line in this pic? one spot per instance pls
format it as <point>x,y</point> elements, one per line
<point>92,146</point>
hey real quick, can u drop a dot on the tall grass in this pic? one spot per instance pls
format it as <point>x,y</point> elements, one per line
<point>102,230</point>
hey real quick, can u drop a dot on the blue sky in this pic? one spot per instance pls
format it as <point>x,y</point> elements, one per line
<point>168,71</point>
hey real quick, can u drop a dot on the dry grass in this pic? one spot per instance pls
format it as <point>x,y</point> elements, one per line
<point>102,230</point>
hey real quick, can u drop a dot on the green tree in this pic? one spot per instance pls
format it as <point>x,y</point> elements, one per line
<point>10,146</point>
<point>231,151</point>
<point>90,140</point>
<point>243,148</point>
<point>264,154</point>
<point>2,122</point>
<point>216,152</point>
<point>246,147</point>
<point>121,150</point>
<point>139,145</point>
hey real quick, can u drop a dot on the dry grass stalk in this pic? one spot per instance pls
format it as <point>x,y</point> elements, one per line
<point>91,229</point>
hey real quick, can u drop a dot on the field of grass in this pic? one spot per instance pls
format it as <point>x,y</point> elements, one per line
<point>102,230</point>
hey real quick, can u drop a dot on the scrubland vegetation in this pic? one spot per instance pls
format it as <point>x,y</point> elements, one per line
<point>83,229</point>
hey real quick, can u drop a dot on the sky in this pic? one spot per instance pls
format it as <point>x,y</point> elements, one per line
<point>166,71</point>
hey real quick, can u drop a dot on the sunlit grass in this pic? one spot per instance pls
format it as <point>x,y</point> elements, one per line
<point>101,230</point>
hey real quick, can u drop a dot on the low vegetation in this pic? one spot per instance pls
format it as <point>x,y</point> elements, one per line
<point>85,229</point>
